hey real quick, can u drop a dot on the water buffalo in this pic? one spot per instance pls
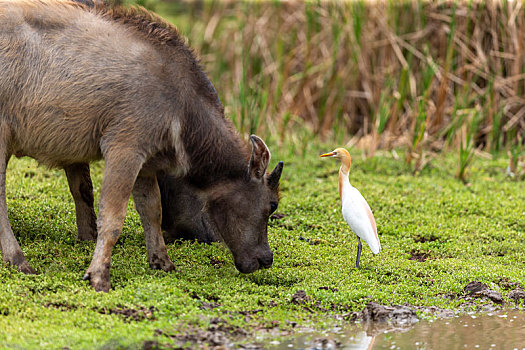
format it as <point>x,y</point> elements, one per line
<point>81,83</point>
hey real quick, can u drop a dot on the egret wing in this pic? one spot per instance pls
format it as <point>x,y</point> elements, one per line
<point>359,217</point>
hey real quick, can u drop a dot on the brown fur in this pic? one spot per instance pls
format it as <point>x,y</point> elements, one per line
<point>81,83</point>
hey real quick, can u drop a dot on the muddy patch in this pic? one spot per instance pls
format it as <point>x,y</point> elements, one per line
<point>127,314</point>
<point>507,284</point>
<point>208,302</point>
<point>197,337</point>
<point>482,290</point>
<point>313,305</point>
<point>130,315</point>
<point>396,314</point>
<point>209,297</point>
<point>424,239</point>
<point>515,290</point>
<point>218,335</point>
<point>495,296</point>
<point>300,298</point>
<point>419,255</point>
<point>61,306</point>
<point>377,318</point>
<point>312,241</point>
<point>517,295</point>
<point>477,289</point>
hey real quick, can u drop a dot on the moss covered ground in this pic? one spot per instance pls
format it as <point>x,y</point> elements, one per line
<point>437,235</point>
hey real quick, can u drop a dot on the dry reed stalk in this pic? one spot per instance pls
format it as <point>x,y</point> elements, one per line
<point>325,66</point>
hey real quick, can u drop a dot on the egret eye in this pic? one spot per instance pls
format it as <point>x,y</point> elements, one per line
<point>273,207</point>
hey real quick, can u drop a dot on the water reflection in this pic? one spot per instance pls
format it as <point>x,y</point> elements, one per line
<point>488,331</point>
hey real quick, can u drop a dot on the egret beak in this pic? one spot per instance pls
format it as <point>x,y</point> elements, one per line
<point>331,154</point>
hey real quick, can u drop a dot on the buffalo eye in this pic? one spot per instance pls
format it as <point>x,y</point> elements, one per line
<point>273,207</point>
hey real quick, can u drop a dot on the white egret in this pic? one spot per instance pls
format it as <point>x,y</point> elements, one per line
<point>356,211</point>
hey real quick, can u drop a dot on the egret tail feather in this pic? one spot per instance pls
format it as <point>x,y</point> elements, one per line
<point>375,245</point>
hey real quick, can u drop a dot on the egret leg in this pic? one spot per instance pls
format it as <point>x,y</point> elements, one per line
<point>359,248</point>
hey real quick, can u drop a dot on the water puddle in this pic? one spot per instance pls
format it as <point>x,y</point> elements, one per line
<point>487,331</point>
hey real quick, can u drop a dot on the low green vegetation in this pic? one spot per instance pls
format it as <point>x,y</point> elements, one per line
<point>437,235</point>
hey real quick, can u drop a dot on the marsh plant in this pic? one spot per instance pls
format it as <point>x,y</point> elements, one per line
<point>391,74</point>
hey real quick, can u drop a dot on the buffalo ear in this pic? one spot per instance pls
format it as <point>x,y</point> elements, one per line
<point>275,176</point>
<point>260,158</point>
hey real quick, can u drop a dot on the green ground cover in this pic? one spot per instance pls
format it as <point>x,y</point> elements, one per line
<point>456,233</point>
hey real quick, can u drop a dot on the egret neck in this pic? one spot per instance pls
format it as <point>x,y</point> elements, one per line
<point>344,170</point>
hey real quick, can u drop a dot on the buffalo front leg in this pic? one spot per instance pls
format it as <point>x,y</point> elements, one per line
<point>119,176</point>
<point>146,195</point>
<point>11,251</point>
<point>81,188</point>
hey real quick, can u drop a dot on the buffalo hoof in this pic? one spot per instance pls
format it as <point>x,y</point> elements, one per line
<point>25,268</point>
<point>19,262</point>
<point>161,263</point>
<point>99,280</point>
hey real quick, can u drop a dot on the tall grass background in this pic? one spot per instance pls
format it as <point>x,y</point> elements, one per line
<point>423,76</point>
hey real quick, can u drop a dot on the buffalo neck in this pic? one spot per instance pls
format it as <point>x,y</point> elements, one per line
<point>215,150</point>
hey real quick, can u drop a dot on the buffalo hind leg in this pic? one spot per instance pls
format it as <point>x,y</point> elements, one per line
<point>146,195</point>
<point>11,251</point>
<point>120,173</point>
<point>81,188</point>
